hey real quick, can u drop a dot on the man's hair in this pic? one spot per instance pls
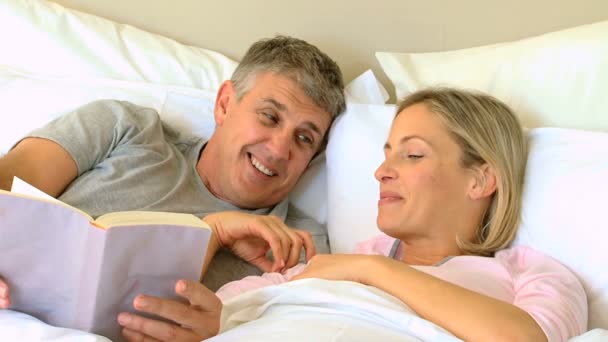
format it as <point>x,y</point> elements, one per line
<point>487,131</point>
<point>318,75</point>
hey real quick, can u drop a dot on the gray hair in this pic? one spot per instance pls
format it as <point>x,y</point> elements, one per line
<point>487,131</point>
<point>318,75</point>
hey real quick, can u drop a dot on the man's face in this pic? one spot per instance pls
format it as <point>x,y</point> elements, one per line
<point>265,141</point>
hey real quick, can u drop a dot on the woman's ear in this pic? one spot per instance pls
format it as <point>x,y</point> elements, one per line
<point>223,101</point>
<point>484,182</point>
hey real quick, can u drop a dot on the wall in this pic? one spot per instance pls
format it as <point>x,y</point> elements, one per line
<point>349,31</point>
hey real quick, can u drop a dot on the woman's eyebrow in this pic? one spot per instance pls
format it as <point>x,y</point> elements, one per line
<point>404,139</point>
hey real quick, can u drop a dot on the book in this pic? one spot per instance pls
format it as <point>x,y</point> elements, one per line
<point>71,270</point>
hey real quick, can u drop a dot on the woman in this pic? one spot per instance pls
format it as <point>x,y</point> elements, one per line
<point>449,206</point>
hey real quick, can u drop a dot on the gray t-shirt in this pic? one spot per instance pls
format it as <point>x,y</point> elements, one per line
<point>128,159</point>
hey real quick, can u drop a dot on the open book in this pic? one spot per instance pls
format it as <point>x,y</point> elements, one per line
<point>71,270</point>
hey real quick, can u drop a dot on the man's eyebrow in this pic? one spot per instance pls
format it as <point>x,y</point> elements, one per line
<point>405,139</point>
<point>275,103</point>
<point>313,128</point>
<point>281,107</point>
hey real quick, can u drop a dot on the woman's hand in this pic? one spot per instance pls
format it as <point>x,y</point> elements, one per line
<point>350,267</point>
<point>251,236</point>
<point>195,321</point>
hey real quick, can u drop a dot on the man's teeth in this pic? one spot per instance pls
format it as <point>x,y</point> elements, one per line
<point>261,167</point>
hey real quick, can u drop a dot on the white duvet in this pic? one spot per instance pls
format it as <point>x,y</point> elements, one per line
<point>320,310</point>
<point>304,310</point>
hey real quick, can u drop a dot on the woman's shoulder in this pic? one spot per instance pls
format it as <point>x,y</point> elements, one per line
<point>525,262</point>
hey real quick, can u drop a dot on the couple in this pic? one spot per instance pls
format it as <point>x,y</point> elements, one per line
<point>450,191</point>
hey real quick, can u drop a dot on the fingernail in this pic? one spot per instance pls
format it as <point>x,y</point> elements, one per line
<point>124,318</point>
<point>140,302</point>
<point>181,286</point>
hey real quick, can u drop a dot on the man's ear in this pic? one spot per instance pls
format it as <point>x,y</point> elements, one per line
<point>223,101</point>
<point>483,183</point>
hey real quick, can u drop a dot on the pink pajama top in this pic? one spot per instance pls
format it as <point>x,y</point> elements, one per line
<point>521,276</point>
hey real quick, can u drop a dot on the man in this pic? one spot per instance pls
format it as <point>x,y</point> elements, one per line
<point>271,120</point>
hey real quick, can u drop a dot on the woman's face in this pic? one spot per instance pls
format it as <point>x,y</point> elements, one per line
<point>423,186</point>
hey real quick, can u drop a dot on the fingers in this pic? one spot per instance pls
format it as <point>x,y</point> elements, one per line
<point>309,245</point>
<point>250,236</point>
<point>198,295</point>
<point>275,244</point>
<point>137,328</point>
<point>194,322</point>
<point>5,301</point>
<point>291,241</point>
<point>296,248</point>
<point>134,336</point>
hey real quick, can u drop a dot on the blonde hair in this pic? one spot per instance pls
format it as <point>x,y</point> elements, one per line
<point>487,131</point>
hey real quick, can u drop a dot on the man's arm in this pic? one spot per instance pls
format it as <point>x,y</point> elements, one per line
<point>40,162</point>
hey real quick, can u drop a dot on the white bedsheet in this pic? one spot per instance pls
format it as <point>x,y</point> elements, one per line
<point>304,310</point>
<point>320,310</point>
<point>16,326</point>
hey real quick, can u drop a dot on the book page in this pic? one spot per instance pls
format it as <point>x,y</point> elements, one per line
<point>22,187</point>
<point>42,245</point>
<point>132,218</point>
<point>144,260</point>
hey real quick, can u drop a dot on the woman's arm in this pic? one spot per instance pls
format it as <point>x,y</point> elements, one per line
<point>467,314</point>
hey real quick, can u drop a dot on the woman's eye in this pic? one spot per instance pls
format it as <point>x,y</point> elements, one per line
<point>413,156</point>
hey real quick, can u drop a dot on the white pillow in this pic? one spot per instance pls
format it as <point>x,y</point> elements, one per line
<point>310,194</point>
<point>30,101</point>
<point>42,37</point>
<point>563,203</point>
<point>354,152</point>
<point>558,79</point>
<point>564,207</point>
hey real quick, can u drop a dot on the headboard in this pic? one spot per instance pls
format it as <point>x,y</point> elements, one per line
<point>348,30</point>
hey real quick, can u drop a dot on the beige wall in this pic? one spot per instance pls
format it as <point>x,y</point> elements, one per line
<point>348,30</point>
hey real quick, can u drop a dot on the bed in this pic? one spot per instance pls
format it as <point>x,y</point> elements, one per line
<point>555,81</point>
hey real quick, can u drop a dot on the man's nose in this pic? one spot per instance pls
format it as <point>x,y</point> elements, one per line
<point>280,146</point>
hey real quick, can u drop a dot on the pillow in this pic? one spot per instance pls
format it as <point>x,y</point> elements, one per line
<point>557,79</point>
<point>354,151</point>
<point>188,109</point>
<point>53,40</point>
<point>564,208</point>
<point>563,201</point>
<point>310,194</point>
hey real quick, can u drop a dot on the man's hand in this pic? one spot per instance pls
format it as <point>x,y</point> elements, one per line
<point>251,236</point>
<point>196,321</point>
<point>5,295</point>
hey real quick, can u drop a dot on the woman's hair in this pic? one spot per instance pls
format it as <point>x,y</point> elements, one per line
<point>487,131</point>
<point>317,74</point>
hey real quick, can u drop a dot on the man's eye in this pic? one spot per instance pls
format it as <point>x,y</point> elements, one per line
<point>305,139</point>
<point>269,118</point>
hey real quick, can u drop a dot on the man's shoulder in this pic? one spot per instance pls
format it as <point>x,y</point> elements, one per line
<point>120,106</point>
<point>299,219</point>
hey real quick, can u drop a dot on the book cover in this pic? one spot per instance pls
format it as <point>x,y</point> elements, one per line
<point>71,270</point>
